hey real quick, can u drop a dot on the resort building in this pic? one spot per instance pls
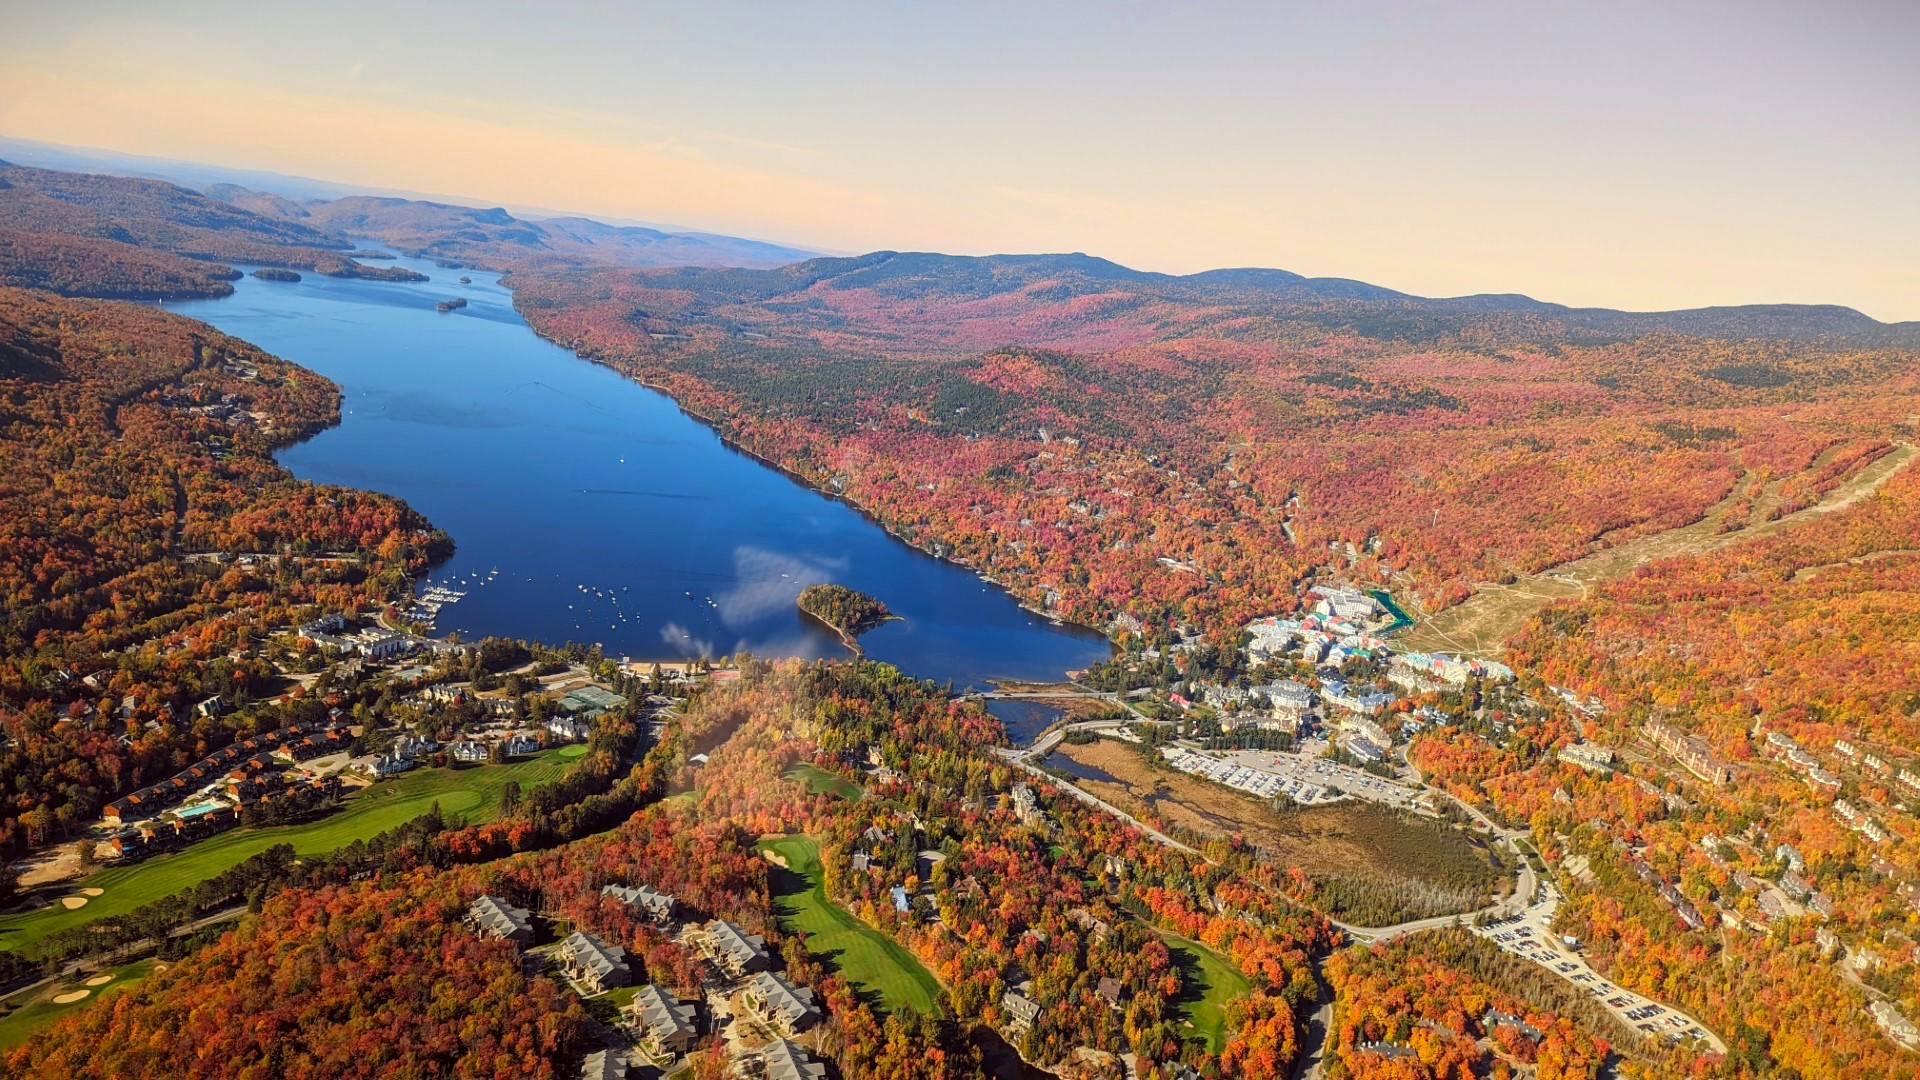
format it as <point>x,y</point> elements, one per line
<point>786,1008</point>
<point>666,1026</point>
<point>603,1065</point>
<point>492,915</point>
<point>593,963</point>
<point>656,906</point>
<point>732,949</point>
<point>779,1060</point>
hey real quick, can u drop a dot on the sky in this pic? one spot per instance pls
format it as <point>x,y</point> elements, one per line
<point>1622,154</point>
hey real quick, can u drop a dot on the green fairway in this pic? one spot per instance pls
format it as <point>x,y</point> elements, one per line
<point>821,782</point>
<point>36,1009</point>
<point>1211,983</point>
<point>871,961</point>
<point>471,793</point>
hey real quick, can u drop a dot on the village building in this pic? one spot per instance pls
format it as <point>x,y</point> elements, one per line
<point>467,750</point>
<point>1588,756</point>
<point>786,1008</point>
<point>603,1065</point>
<point>1690,751</point>
<point>665,1024</point>
<point>732,949</point>
<point>385,765</point>
<point>1895,1023</point>
<point>656,906</point>
<point>1022,1011</point>
<point>492,915</point>
<point>593,963</point>
<point>1025,806</point>
<point>781,1059</point>
<point>1494,1018</point>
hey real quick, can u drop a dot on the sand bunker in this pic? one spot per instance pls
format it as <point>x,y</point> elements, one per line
<point>70,997</point>
<point>91,892</point>
<point>100,980</point>
<point>71,902</point>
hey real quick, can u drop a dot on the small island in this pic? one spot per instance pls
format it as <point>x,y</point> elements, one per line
<point>845,611</point>
<point>453,304</point>
<point>274,273</point>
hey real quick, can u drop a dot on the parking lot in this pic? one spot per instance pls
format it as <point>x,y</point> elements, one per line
<point>1250,777</point>
<point>1330,780</point>
<point>1529,935</point>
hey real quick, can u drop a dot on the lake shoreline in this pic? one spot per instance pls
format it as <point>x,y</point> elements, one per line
<point>755,525</point>
<point>735,445</point>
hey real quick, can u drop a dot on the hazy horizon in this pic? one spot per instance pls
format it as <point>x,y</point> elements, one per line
<point>1636,158</point>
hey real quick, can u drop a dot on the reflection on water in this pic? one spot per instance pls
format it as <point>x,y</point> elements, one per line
<point>588,508</point>
<point>1079,770</point>
<point>1025,720</point>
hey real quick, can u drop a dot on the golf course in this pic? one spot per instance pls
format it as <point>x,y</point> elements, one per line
<point>470,793</point>
<point>1212,983</point>
<point>871,961</point>
<point>821,782</point>
<point>32,1010</point>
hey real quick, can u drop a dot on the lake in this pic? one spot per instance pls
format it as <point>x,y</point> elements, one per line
<point>586,507</point>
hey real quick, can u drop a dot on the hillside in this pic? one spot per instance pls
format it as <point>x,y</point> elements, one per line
<point>138,445</point>
<point>163,217</point>
<point>497,240</point>
<point>1116,442</point>
<point>83,266</point>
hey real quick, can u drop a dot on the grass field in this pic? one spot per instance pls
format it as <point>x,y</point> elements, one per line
<point>36,1009</point>
<point>1212,982</point>
<point>821,782</point>
<point>471,793</point>
<point>872,962</point>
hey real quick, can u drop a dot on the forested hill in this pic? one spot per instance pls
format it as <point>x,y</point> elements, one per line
<point>1110,441</point>
<point>1072,290</point>
<point>122,213</point>
<point>494,239</point>
<point>138,449</point>
<point>84,234</point>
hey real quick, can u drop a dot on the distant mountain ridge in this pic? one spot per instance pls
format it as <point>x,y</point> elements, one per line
<point>1032,283</point>
<point>493,238</point>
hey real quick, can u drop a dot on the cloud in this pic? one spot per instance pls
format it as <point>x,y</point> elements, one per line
<point>767,582</point>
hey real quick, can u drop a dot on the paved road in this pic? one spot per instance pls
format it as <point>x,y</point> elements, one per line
<point>1529,903</point>
<point>1095,801</point>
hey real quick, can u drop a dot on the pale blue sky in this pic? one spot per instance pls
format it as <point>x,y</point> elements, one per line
<point>1627,154</point>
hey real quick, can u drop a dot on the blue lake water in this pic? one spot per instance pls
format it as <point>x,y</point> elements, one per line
<point>610,515</point>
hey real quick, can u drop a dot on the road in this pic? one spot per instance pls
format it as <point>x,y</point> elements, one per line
<point>1532,904</point>
<point>1529,935</point>
<point>128,951</point>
